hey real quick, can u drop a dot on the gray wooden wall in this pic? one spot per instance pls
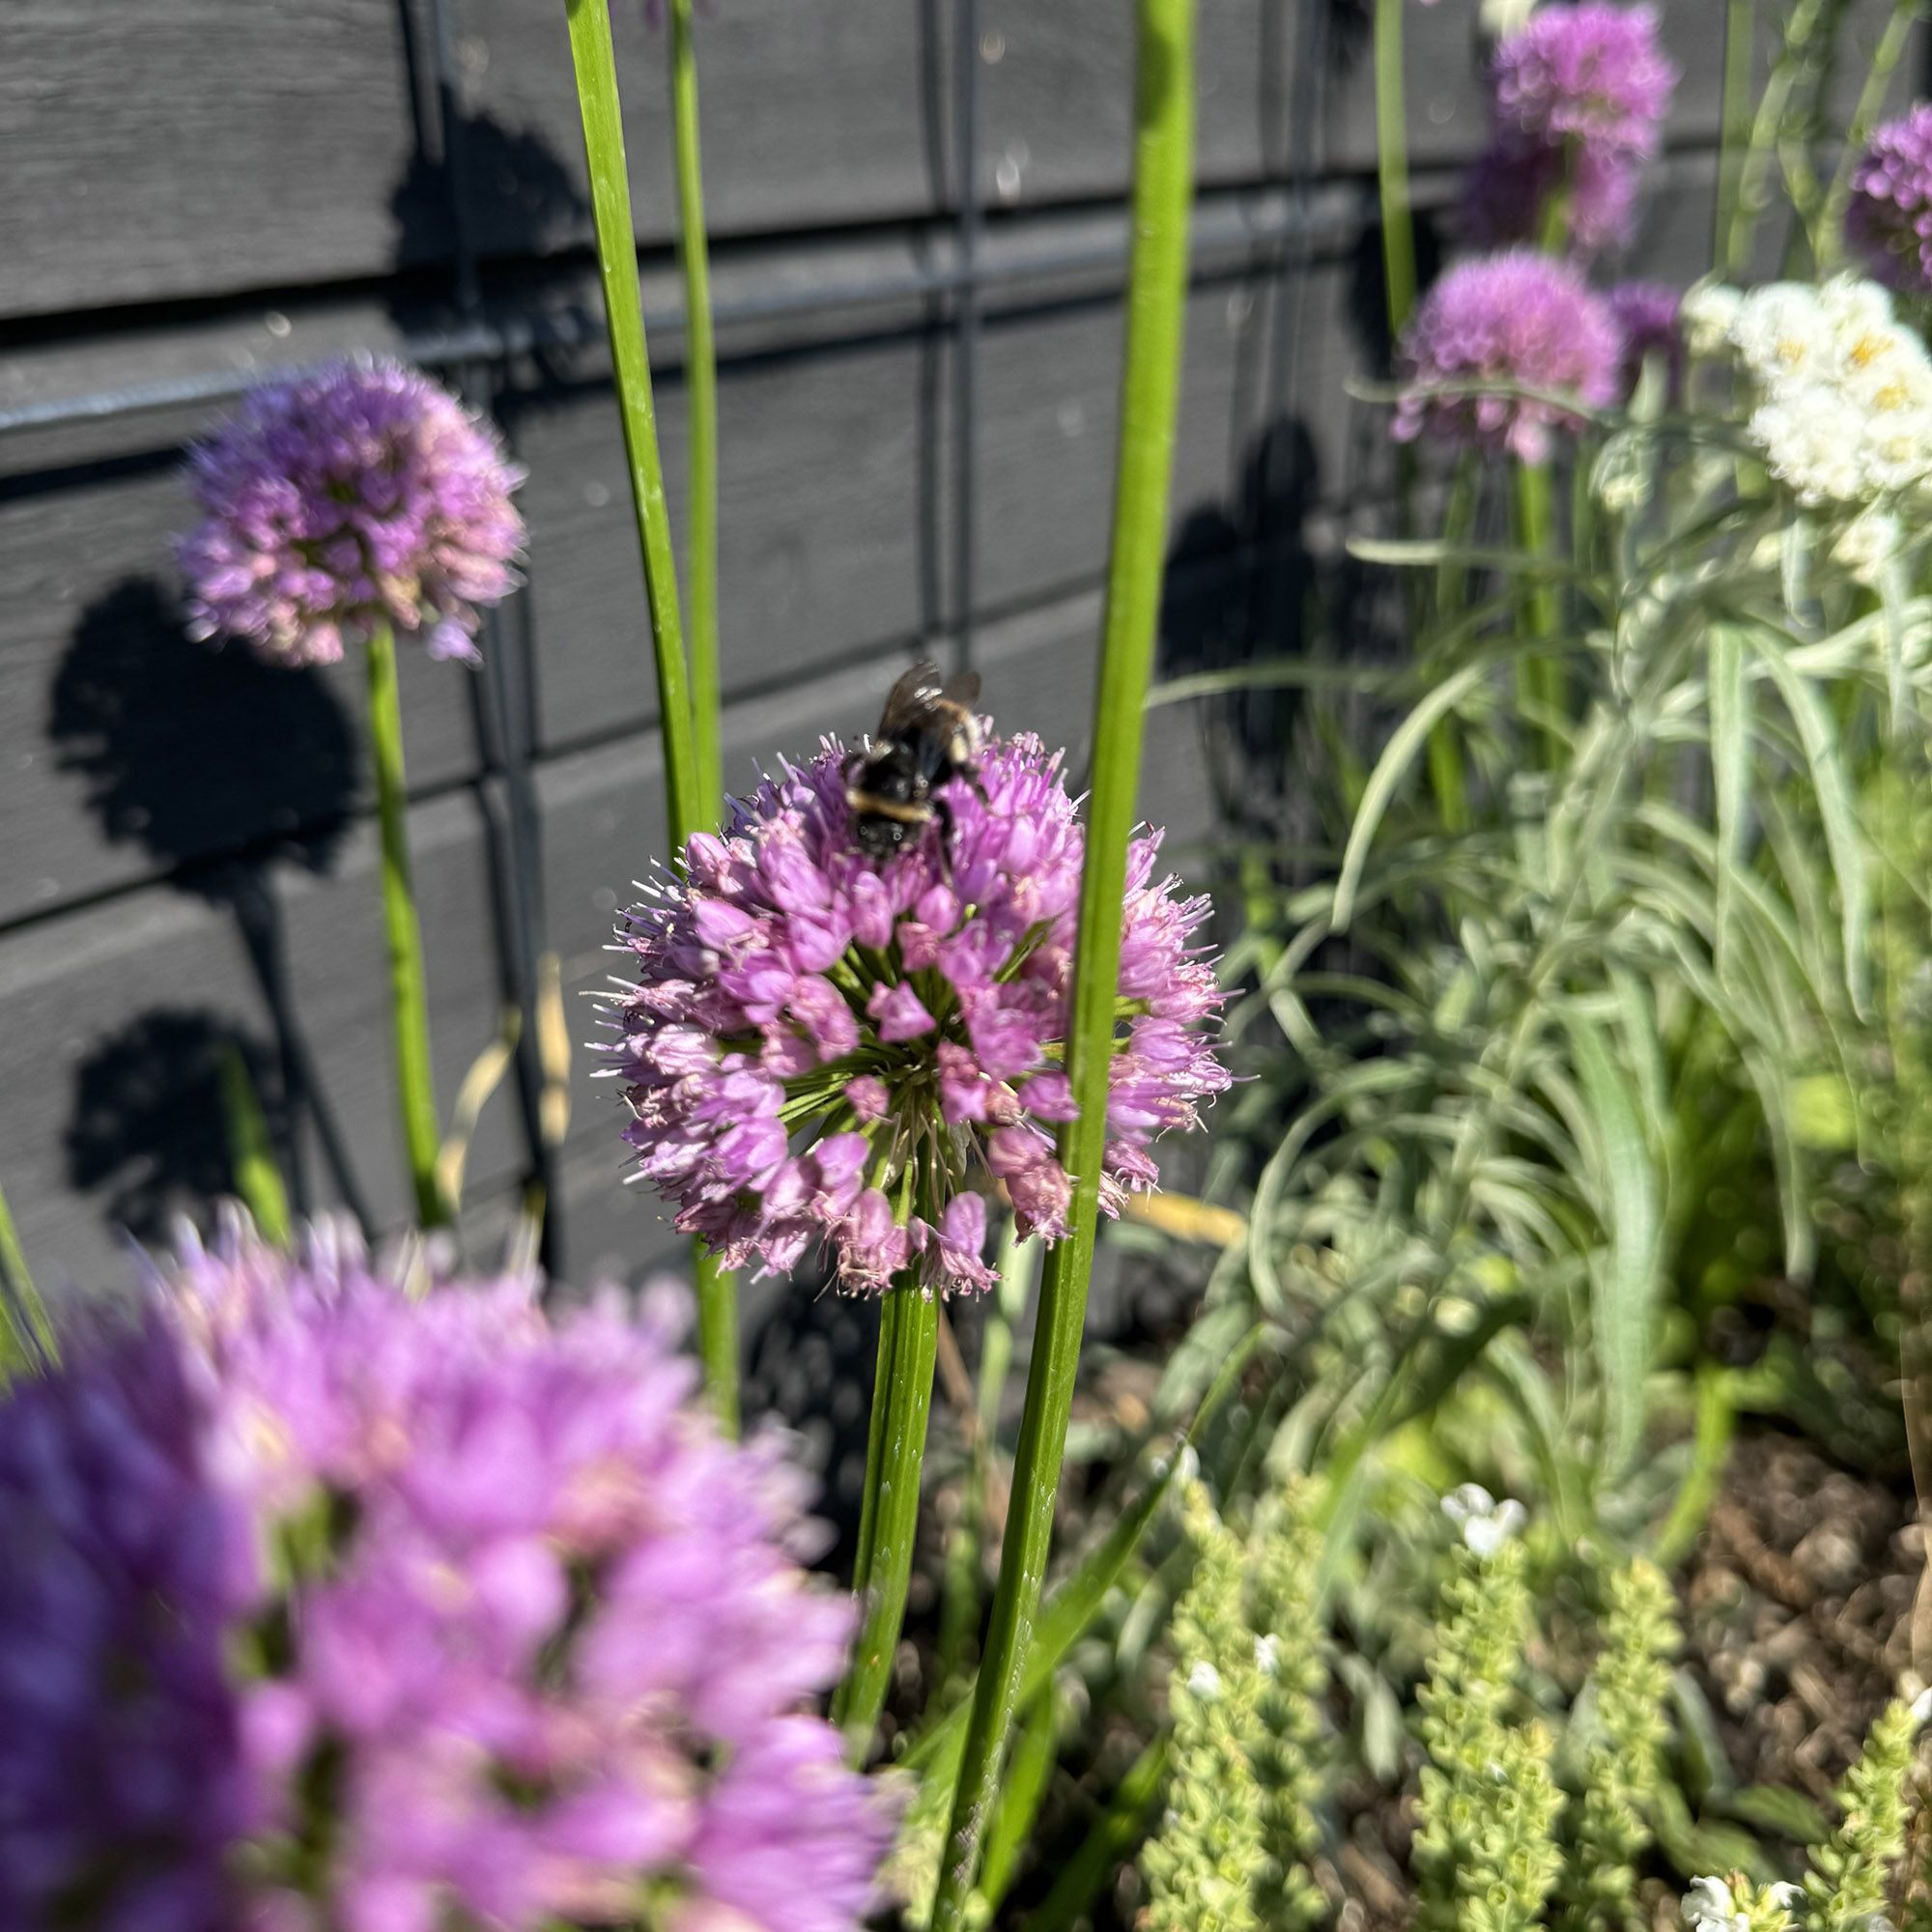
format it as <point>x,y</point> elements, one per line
<point>196,191</point>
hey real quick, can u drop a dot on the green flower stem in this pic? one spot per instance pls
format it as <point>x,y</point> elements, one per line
<point>1447,777</point>
<point>1156,290</point>
<point>1828,245</point>
<point>251,1156</point>
<point>26,1335</point>
<point>894,1456</point>
<point>1392,167</point>
<point>701,380</point>
<point>718,1334</point>
<point>1767,129</point>
<point>409,996</point>
<point>1539,675</point>
<point>596,64</point>
<point>1735,126</point>
<point>688,710</point>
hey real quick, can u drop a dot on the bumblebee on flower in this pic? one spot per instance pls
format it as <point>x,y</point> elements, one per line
<point>827,1046</point>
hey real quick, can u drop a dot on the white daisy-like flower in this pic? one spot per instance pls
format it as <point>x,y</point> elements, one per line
<point>1868,543</point>
<point>1808,443</point>
<point>1783,335</point>
<point>1708,315</point>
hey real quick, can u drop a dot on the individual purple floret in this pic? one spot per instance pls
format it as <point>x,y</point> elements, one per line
<point>1592,76</point>
<point>507,1635</point>
<point>827,1048</point>
<point>357,495</point>
<point>1889,219</point>
<point>1518,319</point>
<point>1647,320</point>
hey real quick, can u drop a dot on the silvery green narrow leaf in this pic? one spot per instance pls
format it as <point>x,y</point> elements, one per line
<point>1625,1282</point>
<point>1730,763</point>
<point>1893,591</point>
<point>1850,859</point>
<point>1404,748</point>
<point>1788,1161</point>
<point>1795,566</point>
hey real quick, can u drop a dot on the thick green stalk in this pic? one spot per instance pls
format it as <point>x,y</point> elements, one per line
<point>895,1457</point>
<point>596,64</point>
<point>1828,245</point>
<point>687,708</point>
<point>1539,675</point>
<point>718,1334</point>
<point>26,1335</point>
<point>1156,289</point>
<point>700,381</point>
<point>1392,168</point>
<point>1768,129</point>
<point>409,995</point>
<point>1735,127</point>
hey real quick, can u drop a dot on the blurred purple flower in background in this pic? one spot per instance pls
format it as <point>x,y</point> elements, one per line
<point>510,1633</point>
<point>1890,218</point>
<point>359,494</point>
<point>1518,318</point>
<point>827,1048</point>
<point>1578,105</point>
<point>1593,74</point>
<point>1647,318</point>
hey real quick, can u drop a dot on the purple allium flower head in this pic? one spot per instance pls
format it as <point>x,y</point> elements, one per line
<point>122,1786</point>
<point>1517,318</point>
<point>510,1634</point>
<point>359,494</point>
<point>827,1048</point>
<point>1889,219</point>
<point>1592,76</point>
<point>1647,318</point>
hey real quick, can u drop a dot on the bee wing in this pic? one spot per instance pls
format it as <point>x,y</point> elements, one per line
<point>910,698</point>
<point>962,689</point>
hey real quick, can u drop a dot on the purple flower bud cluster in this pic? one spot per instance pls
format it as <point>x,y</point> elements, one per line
<point>326,1604</point>
<point>1578,96</point>
<point>334,502</point>
<point>1517,318</point>
<point>824,1049</point>
<point>1889,219</point>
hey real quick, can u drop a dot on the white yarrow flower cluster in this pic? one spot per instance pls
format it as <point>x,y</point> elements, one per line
<point>1841,398</point>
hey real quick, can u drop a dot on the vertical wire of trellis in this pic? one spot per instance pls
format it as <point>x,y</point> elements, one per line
<point>503,711</point>
<point>965,322</point>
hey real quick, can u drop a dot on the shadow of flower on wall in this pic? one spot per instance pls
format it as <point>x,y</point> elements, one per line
<point>218,769</point>
<point>148,1132</point>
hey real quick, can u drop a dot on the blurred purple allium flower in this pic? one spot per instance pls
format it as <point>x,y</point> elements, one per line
<point>121,1568</point>
<point>1889,219</point>
<point>359,494</point>
<point>1592,76</point>
<point>1517,318</point>
<point>827,1048</point>
<point>1578,96</point>
<point>1647,319</point>
<point>512,1635</point>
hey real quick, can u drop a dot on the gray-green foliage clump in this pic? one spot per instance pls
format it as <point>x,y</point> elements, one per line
<point>1485,1854</point>
<point>1288,1749</point>
<point>1203,1864</point>
<point>1624,1765</point>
